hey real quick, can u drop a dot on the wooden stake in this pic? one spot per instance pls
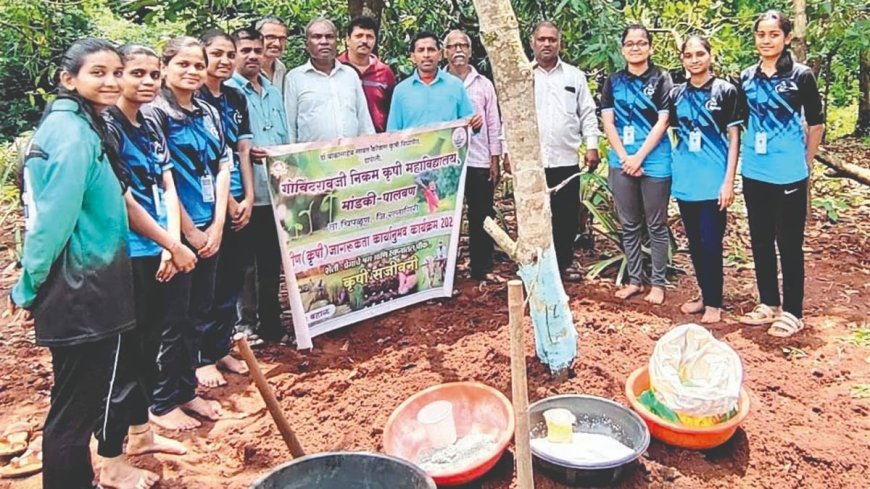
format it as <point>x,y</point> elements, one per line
<point>520,391</point>
<point>269,398</point>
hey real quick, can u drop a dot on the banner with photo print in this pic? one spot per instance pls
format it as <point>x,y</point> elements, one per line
<point>367,225</point>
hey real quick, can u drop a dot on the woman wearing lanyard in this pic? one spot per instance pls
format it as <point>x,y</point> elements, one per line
<point>236,251</point>
<point>779,96</point>
<point>635,109</point>
<point>200,169</point>
<point>161,263</point>
<point>77,281</point>
<point>705,114</point>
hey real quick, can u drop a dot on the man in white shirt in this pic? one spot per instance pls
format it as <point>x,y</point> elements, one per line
<point>566,111</point>
<point>324,99</point>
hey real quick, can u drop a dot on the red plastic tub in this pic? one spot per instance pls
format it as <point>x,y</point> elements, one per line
<point>683,436</point>
<point>477,408</point>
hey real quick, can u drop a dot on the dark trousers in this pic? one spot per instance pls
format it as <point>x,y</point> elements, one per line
<point>705,228</point>
<point>199,309</point>
<point>777,218</point>
<point>267,266</point>
<point>96,390</point>
<point>235,257</point>
<point>564,204</point>
<point>167,336</point>
<point>479,197</point>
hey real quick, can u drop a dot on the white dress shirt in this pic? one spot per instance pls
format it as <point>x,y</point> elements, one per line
<point>323,106</point>
<point>566,111</point>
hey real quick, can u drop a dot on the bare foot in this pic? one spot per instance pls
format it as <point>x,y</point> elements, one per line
<point>656,296</point>
<point>142,439</point>
<point>230,364</point>
<point>116,473</point>
<point>206,409</point>
<point>209,376</point>
<point>628,291</point>
<point>692,307</point>
<point>711,315</point>
<point>175,420</point>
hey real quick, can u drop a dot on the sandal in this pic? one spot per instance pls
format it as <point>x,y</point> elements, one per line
<point>29,463</point>
<point>761,315</point>
<point>786,325</point>
<point>14,439</point>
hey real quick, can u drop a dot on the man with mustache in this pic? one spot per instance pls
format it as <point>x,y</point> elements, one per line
<point>377,78</point>
<point>484,150</point>
<point>429,96</point>
<point>323,98</point>
<point>274,32</point>
<point>565,111</point>
<point>268,125</point>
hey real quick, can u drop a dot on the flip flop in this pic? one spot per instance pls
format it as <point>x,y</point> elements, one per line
<point>29,463</point>
<point>14,439</point>
<point>786,325</point>
<point>761,315</point>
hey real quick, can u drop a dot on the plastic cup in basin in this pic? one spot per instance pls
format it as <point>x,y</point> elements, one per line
<point>437,420</point>
<point>560,425</point>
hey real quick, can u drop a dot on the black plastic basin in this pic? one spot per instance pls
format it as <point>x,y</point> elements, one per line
<point>346,470</point>
<point>594,415</point>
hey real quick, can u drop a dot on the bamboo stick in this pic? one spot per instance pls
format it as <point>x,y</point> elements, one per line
<point>520,392</point>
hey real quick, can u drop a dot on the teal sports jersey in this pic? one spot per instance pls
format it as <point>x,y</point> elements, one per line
<point>197,149</point>
<point>143,152</point>
<point>636,102</point>
<point>707,111</point>
<point>775,108</point>
<point>236,125</point>
<point>76,275</point>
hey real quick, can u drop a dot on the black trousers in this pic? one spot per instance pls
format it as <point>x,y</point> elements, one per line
<point>777,218</point>
<point>167,336</point>
<point>267,265</point>
<point>479,197</point>
<point>564,205</point>
<point>705,228</point>
<point>96,390</point>
<point>236,256</point>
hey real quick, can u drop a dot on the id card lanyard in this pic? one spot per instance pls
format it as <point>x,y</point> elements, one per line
<point>142,142</point>
<point>628,135</point>
<point>694,142</point>
<point>206,180</point>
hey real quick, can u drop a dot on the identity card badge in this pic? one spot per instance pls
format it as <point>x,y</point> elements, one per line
<point>761,143</point>
<point>207,188</point>
<point>628,135</point>
<point>695,141</point>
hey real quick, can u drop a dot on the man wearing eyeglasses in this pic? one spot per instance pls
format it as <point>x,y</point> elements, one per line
<point>565,111</point>
<point>484,151</point>
<point>323,98</point>
<point>377,78</point>
<point>274,32</point>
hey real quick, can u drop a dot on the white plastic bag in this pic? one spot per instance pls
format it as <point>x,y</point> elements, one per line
<point>694,374</point>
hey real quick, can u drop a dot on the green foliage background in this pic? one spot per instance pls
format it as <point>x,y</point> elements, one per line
<point>36,32</point>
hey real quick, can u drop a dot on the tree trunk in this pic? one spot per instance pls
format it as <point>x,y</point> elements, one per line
<point>555,336</point>
<point>849,170</point>
<point>372,8</point>
<point>799,40</point>
<point>863,127</point>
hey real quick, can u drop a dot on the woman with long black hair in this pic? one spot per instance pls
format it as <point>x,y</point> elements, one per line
<point>635,104</point>
<point>784,126</point>
<point>77,281</point>
<point>200,168</point>
<point>705,114</point>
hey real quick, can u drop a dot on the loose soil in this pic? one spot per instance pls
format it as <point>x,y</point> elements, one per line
<point>809,425</point>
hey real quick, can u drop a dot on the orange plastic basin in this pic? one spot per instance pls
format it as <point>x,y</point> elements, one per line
<point>477,408</point>
<point>678,435</point>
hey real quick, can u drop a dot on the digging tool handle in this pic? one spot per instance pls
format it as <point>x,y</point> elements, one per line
<point>269,398</point>
<point>520,394</point>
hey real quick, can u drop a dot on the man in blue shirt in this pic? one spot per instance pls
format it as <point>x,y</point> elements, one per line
<point>269,128</point>
<point>429,96</point>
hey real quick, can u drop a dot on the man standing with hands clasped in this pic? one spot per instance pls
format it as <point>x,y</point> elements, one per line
<point>566,112</point>
<point>484,151</point>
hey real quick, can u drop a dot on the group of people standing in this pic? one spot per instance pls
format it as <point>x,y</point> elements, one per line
<point>150,236</point>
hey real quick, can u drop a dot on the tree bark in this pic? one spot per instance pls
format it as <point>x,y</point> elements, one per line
<point>799,40</point>
<point>555,336</point>
<point>863,127</point>
<point>372,8</point>
<point>849,170</point>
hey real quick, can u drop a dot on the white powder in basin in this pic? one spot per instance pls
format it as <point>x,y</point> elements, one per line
<point>584,449</point>
<point>464,452</point>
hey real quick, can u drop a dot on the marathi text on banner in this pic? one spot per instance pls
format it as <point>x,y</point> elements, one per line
<point>367,225</point>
